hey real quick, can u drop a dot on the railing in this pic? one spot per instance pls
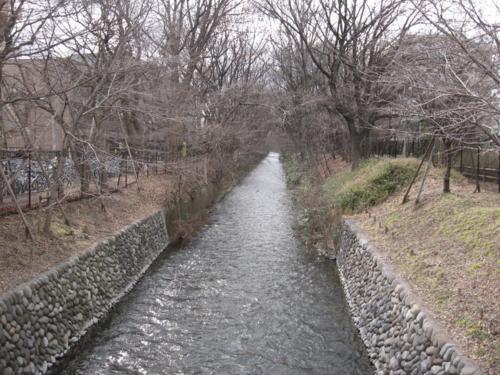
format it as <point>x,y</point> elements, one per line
<point>469,162</point>
<point>26,178</point>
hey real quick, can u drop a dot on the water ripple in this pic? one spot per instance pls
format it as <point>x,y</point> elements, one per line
<point>244,297</point>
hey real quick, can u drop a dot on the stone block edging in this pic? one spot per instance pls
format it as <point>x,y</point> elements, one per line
<point>42,319</point>
<point>400,337</point>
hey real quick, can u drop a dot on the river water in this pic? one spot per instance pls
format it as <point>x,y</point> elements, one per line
<point>245,297</point>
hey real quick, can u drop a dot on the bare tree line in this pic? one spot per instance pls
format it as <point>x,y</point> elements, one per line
<point>331,75</point>
<point>357,70</point>
<point>167,72</point>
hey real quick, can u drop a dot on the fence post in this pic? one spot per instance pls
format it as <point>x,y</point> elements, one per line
<point>40,205</point>
<point>478,160</point>
<point>126,173</point>
<point>29,180</point>
<point>499,173</point>
<point>82,179</point>
<point>461,159</point>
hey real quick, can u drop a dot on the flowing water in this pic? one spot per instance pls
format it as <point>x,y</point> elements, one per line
<point>245,297</point>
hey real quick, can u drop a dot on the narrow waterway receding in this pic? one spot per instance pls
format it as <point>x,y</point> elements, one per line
<point>245,297</point>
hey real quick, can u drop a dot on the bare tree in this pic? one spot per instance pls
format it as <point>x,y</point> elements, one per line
<point>78,86</point>
<point>437,80</point>
<point>301,94</point>
<point>352,43</point>
<point>21,23</point>
<point>473,29</point>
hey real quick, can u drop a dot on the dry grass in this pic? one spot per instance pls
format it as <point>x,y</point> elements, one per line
<point>22,259</point>
<point>448,248</point>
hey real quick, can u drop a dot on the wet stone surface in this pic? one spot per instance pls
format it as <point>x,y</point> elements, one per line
<point>245,297</point>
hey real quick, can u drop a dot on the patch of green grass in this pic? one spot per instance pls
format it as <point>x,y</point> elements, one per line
<point>496,355</point>
<point>440,273</point>
<point>462,321</point>
<point>372,183</point>
<point>475,226</point>
<point>476,332</point>
<point>441,294</point>
<point>479,352</point>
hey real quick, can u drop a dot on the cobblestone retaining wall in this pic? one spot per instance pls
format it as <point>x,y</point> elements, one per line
<point>39,321</point>
<point>399,335</point>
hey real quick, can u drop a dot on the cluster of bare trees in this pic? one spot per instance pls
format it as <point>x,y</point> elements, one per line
<point>332,74</point>
<point>76,74</point>
<point>350,71</point>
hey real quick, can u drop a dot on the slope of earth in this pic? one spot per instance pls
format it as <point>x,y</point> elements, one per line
<point>448,247</point>
<point>22,259</point>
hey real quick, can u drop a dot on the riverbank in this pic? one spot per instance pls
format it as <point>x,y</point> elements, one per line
<point>22,259</point>
<point>447,246</point>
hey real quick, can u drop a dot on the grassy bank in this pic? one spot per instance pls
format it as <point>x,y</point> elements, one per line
<point>447,246</point>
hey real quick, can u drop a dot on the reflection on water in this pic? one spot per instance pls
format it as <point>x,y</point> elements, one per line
<point>244,297</point>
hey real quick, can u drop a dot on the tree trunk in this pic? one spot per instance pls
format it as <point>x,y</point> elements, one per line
<point>448,155</point>
<point>359,140</point>
<point>19,210</point>
<point>2,130</point>
<point>54,191</point>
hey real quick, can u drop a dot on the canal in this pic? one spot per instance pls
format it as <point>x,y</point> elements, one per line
<point>244,297</point>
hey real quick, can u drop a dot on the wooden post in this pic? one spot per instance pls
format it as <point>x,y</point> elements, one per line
<point>405,198</point>
<point>426,172</point>
<point>461,159</point>
<point>40,205</point>
<point>205,171</point>
<point>156,162</point>
<point>476,174</point>
<point>29,180</point>
<point>20,211</point>
<point>119,174</point>
<point>126,172</point>
<point>478,160</point>
<point>82,179</point>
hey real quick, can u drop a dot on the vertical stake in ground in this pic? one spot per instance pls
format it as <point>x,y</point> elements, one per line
<point>11,192</point>
<point>431,144</point>
<point>429,162</point>
<point>476,174</point>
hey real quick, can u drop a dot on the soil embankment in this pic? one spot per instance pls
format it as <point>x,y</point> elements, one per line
<point>22,259</point>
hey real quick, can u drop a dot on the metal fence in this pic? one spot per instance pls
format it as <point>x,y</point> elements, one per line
<point>394,148</point>
<point>26,178</point>
<point>481,161</point>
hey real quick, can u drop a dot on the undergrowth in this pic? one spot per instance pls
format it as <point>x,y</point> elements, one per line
<point>346,192</point>
<point>311,220</point>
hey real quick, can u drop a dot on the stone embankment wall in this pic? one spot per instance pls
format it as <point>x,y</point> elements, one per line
<point>399,335</point>
<point>40,321</point>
